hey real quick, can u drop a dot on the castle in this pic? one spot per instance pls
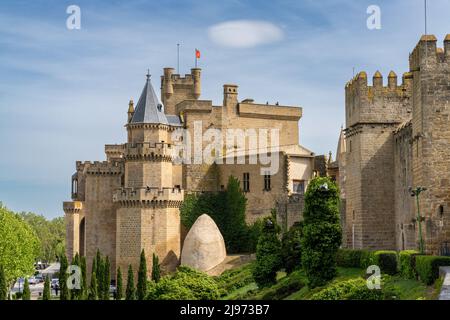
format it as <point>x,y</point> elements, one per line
<point>397,138</point>
<point>131,201</point>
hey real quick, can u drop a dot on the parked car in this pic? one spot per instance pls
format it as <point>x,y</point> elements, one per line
<point>39,278</point>
<point>32,280</point>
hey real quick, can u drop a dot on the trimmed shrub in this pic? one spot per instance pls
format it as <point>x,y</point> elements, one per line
<point>291,248</point>
<point>387,261</point>
<point>321,232</point>
<point>367,259</point>
<point>349,258</point>
<point>185,284</point>
<point>233,279</point>
<point>406,263</point>
<point>427,267</point>
<point>285,287</point>
<point>268,254</point>
<point>353,289</point>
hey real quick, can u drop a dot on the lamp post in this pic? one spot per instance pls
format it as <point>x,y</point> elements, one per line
<point>415,193</point>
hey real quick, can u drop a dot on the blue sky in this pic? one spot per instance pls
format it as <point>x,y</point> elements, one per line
<point>64,93</point>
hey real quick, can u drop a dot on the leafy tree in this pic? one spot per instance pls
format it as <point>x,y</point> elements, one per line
<point>26,294</point>
<point>3,284</point>
<point>19,246</point>
<point>51,234</point>
<point>46,293</point>
<point>268,254</point>
<point>321,232</point>
<point>227,209</point>
<point>233,222</point>
<point>291,248</point>
<point>64,290</point>
<point>142,278</point>
<point>93,293</point>
<point>106,278</point>
<point>119,285</point>
<point>130,293</point>
<point>156,271</point>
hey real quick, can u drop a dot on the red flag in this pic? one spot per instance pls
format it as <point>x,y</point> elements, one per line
<point>197,53</point>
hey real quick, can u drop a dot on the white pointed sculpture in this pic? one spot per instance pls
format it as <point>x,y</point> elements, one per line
<point>203,247</point>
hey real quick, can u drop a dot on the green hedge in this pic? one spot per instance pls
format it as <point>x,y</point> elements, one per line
<point>387,261</point>
<point>427,267</point>
<point>354,289</point>
<point>349,258</point>
<point>406,263</point>
<point>367,259</point>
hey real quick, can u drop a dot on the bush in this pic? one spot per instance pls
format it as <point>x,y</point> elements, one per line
<point>227,209</point>
<point>184,284</point>
<point>406,261</point>
<point>233,279</point>
<point>349,258</point>
<point>387,261</point>
<point>321,232</point>
<point>291,248</point>
<point>427,267</point>
<point>354,289</point>
<point>367,259</point>
<point>268,254</point>
<point>285,287</point>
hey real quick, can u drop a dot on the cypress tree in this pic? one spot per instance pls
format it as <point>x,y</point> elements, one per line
<point>142,277</point>
<point>106,278</point>
<point>26,295</point>
<point>93,294</point>
<point>131,291</point>
<point>268,254</point>
<point>119,285</point>
<point>83,279</point>
<point>3,284</point>
<point>46,293</point>
<point>156,271</point>
<point>321,232</point>
<point>100,277</point>
<point>64,291</point>
<point>75,293</point>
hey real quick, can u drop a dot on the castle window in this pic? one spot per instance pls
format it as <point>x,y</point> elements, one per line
<point>441,210</point>
<point>350,146</point>
<point>298,186</point>
<point>246,182</point>
<point>74,187</point>
<point>267,182</point>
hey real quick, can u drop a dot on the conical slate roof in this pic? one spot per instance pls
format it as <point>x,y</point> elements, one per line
<point>149,109</point>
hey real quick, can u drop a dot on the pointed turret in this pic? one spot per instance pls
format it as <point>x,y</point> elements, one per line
<point>149,109</point>
<point>130,110</point>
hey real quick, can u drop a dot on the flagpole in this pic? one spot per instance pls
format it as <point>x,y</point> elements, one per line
<point>426,17</point>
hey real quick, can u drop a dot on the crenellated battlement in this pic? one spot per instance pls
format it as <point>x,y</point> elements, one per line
<point>378,103</point>
<point>427,55</point>
<point>99,167</point>
<point>359,85</point>
<point>149,196</point>
<point>149,151</point>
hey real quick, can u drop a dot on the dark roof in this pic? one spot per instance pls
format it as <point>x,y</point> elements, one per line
<point>149,109</point>
<point>174,120</point>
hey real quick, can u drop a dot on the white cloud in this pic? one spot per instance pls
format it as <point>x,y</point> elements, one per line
<point>244,33</point>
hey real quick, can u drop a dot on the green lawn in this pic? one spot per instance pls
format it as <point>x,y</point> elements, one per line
<point>292,287</point>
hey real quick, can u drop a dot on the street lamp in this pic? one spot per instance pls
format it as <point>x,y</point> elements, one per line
<point>415,193</point>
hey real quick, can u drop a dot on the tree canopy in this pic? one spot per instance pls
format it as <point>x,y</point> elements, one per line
<point>19,246</point>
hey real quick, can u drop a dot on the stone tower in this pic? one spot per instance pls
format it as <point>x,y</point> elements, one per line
<point>148,214</point>
<point>430,68</point>
<point>372,114</point>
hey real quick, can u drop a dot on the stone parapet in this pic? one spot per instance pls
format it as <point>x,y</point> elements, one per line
<point>72,207</point>
<point>149,196</point>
